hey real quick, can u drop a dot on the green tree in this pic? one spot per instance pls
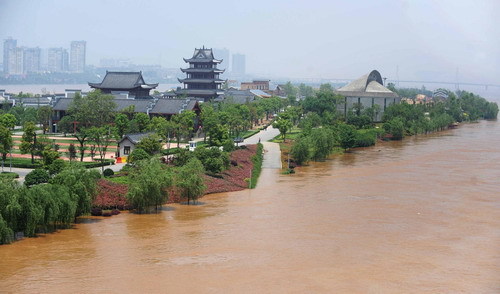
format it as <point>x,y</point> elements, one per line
<point>44,114</point>
<point>151,144</point>
<point>36,176</point>
<point>347,136</point>
<point>28,141</point>
<point>71,152</point>
<point>141,122</point>
<point>8,120</point>
<point>81,184</point>
<point>49,156</point>
<point>82,136</point>
<point>306,91</point>
<point>56,166</point>
<point>311,120</point>
<point>283,124</point>
<point>136,155</point>
<point>6,233</point>
<point>163,128</point>
<point>395,127</point>
<point>321,102</point>
<point>213,159</point>
<point>300,151</point>
<point>209,120</point>
<point>218,135</point>
<point>66,124</point>
<point>322,143</point>
<point>290,89</point>
<point>102,137</point>
<point>184,123</point>
<point>189,180</point>
<point>23,114</point>
<point>122,124</point>
<point>6,142</point>
<point>95,109</point>
<point>31,213</point>
<point>148,185</point>
<point>326,88</point>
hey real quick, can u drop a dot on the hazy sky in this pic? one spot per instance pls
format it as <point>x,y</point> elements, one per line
<point>427,40</point>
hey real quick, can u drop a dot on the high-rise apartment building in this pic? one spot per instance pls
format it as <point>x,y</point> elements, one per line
<point>77,56</point>
<point>238,67</point>
<point>223,54</point>
<point>9,45</point>
<point>15,61</point>
<point>58,60</point>
<point>31,60</point>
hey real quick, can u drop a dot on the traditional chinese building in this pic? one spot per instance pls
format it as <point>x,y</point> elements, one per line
<point>124,84</point>
<point>202,76</point>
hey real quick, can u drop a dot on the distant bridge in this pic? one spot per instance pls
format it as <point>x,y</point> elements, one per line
<point>456,84</point>
<point>397,82</point>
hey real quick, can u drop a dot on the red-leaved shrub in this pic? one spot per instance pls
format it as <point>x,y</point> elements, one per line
<point>111,195</point>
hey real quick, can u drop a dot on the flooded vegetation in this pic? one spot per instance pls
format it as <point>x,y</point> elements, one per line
<point>421,213</point>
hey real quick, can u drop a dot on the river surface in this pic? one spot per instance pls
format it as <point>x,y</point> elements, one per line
<point>417,216</point>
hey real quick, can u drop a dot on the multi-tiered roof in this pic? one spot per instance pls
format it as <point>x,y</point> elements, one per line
<point>202,77</point>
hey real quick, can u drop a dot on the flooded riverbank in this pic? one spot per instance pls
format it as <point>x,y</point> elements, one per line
<point>417,216</point>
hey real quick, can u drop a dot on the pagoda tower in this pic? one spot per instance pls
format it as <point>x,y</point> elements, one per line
<point>202,77</point>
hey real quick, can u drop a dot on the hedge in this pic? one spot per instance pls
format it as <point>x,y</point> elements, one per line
<point>257,165</point>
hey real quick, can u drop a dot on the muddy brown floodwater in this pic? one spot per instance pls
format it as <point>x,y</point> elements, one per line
<point>417,216</point>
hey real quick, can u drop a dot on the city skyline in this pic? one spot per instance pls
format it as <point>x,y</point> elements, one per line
<point>431,40</point>
<point>21,60</point>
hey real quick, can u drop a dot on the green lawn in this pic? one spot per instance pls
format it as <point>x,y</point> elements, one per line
<point>119,180</point>
<point>291,135</point>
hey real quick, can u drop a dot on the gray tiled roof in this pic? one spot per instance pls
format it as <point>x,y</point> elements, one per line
<point>237,96</point>
<point>140,105</point>
<point>369,85</point>
<point>260,93</point>
<point>62,104</point>
<point>172,106</point>
<point>135,138</point>
<point>33,100</point>
<point>122,80</point>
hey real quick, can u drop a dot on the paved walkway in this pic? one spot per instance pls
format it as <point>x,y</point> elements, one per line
<point>272,155</point>
<point>264,136</point>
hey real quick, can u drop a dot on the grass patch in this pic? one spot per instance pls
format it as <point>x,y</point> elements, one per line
<point>293,134</point>
<point>249,133</point>
<point>174,150</point>
<point>22,163</point>
<point>26,163</point>
<point>119,179</point>
<point>8,175</point>
<point>257,165</point>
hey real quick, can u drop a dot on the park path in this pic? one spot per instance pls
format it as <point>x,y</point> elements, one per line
<point>272,152</point>
<point>272,156</point>
<point>264,135</point>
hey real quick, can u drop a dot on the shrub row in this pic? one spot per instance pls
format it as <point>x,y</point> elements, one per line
<point>257,165</point>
